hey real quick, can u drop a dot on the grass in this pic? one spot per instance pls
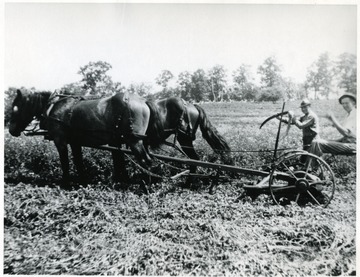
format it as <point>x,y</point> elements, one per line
<point>98,230</point>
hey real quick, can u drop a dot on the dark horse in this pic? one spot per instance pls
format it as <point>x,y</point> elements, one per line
<point>115,120</point>
<point>175,116</point>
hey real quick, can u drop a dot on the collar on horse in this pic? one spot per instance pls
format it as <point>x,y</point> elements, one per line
<point>181,123</point>
<point>55,98</point>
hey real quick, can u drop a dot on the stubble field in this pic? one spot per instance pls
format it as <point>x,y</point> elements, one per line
<point>101,230</point>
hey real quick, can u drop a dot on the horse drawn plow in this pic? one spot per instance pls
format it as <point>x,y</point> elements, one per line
<point>293,176</point>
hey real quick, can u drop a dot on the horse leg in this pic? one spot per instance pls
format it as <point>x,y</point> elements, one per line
<point>61,146</point>
<point>78,161</point>
<point>120,173</point>
<point>144,159</point>
<point>187,146</point>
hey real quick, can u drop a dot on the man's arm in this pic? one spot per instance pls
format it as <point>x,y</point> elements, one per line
<point>304,124</point>
<point>342,130</point>
<point>290,118</point>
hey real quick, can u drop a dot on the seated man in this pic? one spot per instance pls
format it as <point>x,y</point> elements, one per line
<point>347,143</point>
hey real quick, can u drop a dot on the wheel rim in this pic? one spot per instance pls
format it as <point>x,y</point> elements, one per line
<point>310,180</point>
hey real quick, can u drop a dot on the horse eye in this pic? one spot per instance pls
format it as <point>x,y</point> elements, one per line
<point>15,109</point>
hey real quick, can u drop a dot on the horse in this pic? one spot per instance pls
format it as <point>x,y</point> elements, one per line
<point>114,120</point>
<point>174,115</point>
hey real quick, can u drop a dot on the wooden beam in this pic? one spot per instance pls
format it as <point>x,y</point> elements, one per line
<point>223,167</point>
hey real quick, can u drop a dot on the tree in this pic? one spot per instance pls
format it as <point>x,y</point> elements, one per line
<point>270,94</point>
<point>270,72</point>
<point>163,79</point>
<point>217,83</point>
<point>302,91</point>
<point>74,88</point>
<point>243,88</point>
<point>272,83</point>
<point>319,76</point>
<point>165,93</point>
<point>118,87</point>
<point>200,86</point>
<point>289,89</point>
<point>346,70</point>
<point>140,89</point>
<point>185,85</point>
<point>95,80</point>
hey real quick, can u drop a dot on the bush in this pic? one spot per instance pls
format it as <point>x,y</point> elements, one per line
<point>270,94</point>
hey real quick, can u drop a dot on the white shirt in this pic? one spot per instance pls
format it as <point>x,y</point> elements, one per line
<point>350,124</point>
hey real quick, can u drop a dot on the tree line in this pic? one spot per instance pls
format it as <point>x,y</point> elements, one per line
<point>324,76</point>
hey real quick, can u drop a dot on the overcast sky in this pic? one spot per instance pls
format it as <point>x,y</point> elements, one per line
<point>46,44</point>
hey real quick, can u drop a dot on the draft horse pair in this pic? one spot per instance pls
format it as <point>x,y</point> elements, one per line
<point>116,120</point>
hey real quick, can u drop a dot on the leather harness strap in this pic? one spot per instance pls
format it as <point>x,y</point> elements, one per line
<point>56,98</point>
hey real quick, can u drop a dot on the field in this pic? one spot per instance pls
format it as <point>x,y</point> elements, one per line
<point>102,230</point>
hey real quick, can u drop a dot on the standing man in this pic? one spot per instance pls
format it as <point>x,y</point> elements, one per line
<point>308,123</point>
<point>347,143</point>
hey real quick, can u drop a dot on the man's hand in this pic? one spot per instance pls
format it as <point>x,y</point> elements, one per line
<point>292,117</point>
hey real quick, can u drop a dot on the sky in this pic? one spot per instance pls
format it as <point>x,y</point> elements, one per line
<point>47,43</point>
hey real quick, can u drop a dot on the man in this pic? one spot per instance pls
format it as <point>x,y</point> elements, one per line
<point>308,123</point>
<point>347,143</point>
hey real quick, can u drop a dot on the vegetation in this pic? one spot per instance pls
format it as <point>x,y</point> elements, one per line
<point>98,229</point>
<point>324,76</point>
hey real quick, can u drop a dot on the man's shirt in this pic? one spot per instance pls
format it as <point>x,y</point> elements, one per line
<point>309,124</point>
<point>350,125</point>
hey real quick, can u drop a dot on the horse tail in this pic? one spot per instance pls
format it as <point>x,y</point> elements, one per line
<point>213,138</point>
<point>155,129</point>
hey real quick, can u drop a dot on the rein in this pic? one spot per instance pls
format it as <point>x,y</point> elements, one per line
<point>34,129</point>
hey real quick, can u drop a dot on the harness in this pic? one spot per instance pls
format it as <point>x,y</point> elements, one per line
<point>179,127</point>
<point>55,98</point>
<point>118,130</point>
<point>189,127</point>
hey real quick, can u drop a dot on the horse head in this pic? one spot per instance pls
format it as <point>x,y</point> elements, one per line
<point>25,107</point>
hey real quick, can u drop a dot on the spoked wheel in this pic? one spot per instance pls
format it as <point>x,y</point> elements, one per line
<point>303,178</point>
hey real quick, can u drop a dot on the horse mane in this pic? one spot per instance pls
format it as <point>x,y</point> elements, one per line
<point>37,102</point>
<point>155,129</point>
<point>43,98</point>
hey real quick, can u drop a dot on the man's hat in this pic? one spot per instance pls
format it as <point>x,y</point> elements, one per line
<point>350,95</point>
<point>305,103</point>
